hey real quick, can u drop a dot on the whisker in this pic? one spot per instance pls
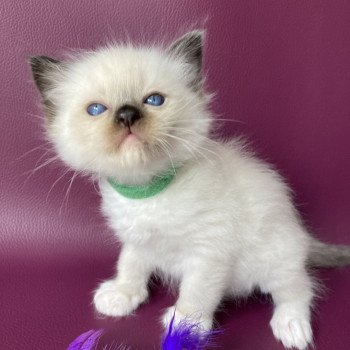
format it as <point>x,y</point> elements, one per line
<point>66,196</point>
<point>30,173</point>
<point>186,144</point>
<point>41,147</point>
<point>47,162</point>
<point>186,131</point>
<point>197,135</point>
<point>41,117</point>
<point>202,137</point>
<point>57,180</point>
<point>191,147</point>
<point>229,120</point>
<point>41,157</point>
<point>163,144</point>
<point>185,107</point>
<point>94,180</point>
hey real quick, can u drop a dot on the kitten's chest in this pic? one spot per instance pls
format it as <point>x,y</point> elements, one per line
<point>151,219</point>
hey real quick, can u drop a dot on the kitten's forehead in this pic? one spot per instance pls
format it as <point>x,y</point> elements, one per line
<point>125,71</point>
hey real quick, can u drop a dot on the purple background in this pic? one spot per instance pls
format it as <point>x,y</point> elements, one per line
<point>280,69</point>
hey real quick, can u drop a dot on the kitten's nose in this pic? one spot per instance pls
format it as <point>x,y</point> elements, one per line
<point>127,115</point>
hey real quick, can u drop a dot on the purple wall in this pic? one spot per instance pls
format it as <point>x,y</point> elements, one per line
<point>281,69</point>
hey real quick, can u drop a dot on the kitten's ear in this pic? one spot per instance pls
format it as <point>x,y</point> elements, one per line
<point>44,70</point>
<point>190,48</point>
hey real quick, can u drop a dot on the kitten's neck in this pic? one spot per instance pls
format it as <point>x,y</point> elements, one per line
<point>155,186</point>
<point>143,176</point>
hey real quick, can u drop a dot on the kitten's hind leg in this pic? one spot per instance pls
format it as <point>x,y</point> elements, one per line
<point>122,295</point>
<point>291,318</point>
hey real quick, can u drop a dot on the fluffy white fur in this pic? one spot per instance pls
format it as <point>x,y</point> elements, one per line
<point>224,226</point>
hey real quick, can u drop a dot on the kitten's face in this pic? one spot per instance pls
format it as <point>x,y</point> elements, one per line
<point>125,112</point>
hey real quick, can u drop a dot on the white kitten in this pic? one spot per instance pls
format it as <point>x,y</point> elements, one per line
<point>205,213</point>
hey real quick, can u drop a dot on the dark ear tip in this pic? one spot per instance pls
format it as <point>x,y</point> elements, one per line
<point>197,33</point>
<point>190,43</point>
<point>41,67</point>
<point>34,61</point>
<point>38,61</point>
<point>195,36</point>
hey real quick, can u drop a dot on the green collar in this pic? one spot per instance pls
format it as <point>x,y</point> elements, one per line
<point>158,184</point>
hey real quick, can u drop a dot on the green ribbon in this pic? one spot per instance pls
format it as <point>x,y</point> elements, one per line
<point>158,184</point>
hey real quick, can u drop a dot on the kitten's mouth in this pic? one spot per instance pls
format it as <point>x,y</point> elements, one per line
<point>131,137</point>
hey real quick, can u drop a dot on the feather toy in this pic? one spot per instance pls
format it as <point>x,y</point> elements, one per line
<point>185,336</point>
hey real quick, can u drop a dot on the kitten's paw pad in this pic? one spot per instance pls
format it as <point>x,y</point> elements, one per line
<point>292,332</point>
<point>111,300</point>
<point>204,323</point>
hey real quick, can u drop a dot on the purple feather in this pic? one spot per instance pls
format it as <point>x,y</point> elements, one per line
<point>187,336</point>
<point>86,341</point>
<point>184,336</point>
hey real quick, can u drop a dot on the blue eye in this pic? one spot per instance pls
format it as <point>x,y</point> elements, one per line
<point>96,109</point>
<point>154,100</point>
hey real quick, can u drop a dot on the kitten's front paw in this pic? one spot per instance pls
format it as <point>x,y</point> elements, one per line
<point>204,323</point>
<point>291,331</point>
<point>116,301</point>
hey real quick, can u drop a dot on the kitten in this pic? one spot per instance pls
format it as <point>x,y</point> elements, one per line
<point>205,213</point>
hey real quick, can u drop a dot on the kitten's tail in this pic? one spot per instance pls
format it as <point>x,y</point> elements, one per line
<point>328,255</point>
